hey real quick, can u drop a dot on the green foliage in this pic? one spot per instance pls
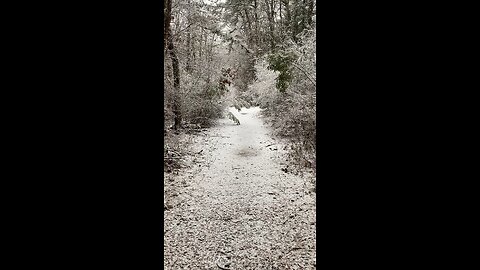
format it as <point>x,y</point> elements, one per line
<point>281,62</point>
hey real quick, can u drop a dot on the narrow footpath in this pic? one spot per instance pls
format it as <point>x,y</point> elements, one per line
<point>235,208</point>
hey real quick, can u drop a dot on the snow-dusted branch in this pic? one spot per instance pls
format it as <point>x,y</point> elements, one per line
<point>306,74</point>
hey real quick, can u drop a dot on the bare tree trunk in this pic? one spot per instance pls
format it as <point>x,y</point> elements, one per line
<point>200,47</point>
<point>194,52</point>
<point>305,14</point>
<point>256,41</point>
<point>271,22</point>
<point>288,15</point>
<point>188,64</point>
<point>294,20</point>
<point>310,13</point>
<point>175,66</point>
<point>206,46</point>
<point>176,85</point>
<point>166,21</point>
<point>249,32</point>
<point>281,18</point>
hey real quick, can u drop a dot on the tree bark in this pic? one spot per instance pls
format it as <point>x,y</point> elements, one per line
<point>281,18</point>
<point>176,85</point>
<point>166,21</point>
<point>249,25</point>
<point>256,23</point>
<point>288,15</point>
<point>310,13</point>
<point>271,22</point>
<point>188,64</point>
<point>294,20</point>
<point>175,66</point>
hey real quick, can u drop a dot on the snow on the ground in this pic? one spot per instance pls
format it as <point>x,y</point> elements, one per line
<point>234,208</point>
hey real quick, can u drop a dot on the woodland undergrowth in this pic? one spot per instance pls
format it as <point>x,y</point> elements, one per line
<point>289,101</point>
<point>241,53</point>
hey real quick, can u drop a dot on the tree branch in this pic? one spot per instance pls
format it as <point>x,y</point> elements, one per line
<point>306,74</point>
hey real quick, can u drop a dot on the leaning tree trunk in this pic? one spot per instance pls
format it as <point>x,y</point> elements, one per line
<point>175,66</point>
<point>166,21</point>
<point>176,85</point>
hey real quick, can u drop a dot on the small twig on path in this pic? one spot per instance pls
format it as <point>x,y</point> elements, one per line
<point>294,248</point>
<point>221,267</point>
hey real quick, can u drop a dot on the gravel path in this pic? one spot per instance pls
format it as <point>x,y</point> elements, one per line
<point>235,208</point>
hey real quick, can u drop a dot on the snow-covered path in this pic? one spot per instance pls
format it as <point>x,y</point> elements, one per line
<point>236,209</point>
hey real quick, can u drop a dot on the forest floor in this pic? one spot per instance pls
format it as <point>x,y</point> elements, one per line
<point>233,207</point>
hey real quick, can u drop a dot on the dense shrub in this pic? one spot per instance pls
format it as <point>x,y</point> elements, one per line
<point>286,90</point>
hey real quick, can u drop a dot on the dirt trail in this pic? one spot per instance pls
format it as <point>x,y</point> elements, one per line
<point>236,209</point>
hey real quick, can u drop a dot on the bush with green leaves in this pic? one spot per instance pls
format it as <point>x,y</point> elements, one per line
<point>281,61</point>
